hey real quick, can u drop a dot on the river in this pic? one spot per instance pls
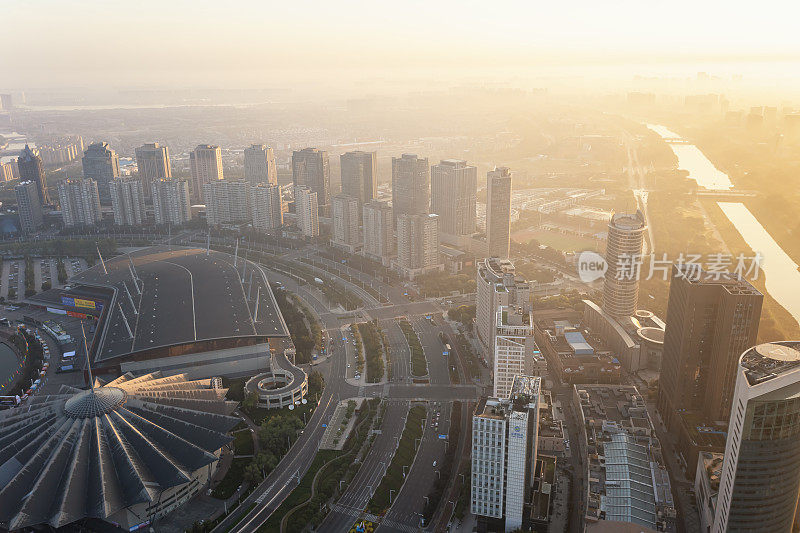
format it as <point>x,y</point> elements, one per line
<point>781,272</point>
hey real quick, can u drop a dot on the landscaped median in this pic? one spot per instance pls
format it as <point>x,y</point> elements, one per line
<point>403,457</point>
<point>371,339</point>
<point>305,505</point>
<point>419,366</point>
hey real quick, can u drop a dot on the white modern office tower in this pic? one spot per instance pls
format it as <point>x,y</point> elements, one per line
<point>311,169</point>
<point>101,164</point>
<point>515,350</point>
<point>206,165</point>
<point>360,175</point>
<point>29,207</point>
<point>266,203</point>
<point>127,201</point>
<point>418,244</point>
<point>411,185</point>
<point>346,219</point>
<point>623,251</point>
<point>378,231</point>
<point>760,477</point>
<point>171,203</point>
<point>307,209</point>
<point>454,186</point>
<point>504,447</point>
<point>497,285</point>
<point>498,212</point>
<point>260,165</point>
<point>227,201</point>
<point>80,202</point>
<point>152,160</point>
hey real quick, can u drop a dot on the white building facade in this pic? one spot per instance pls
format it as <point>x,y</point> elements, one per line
<point>346,220</point>
<point>80,202</point>
<point>267,206</point>
<point>504,448</point>
<point>171,203</point>
<point>307,210</point>
<point>127,201</point>
<point>227,201</point>
<point>379,243</point>
<point>515,350</point>
<point>497,285</point>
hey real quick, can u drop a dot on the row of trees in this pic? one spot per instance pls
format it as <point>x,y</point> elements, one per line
<point>302,325</point>
<point>373,350</point>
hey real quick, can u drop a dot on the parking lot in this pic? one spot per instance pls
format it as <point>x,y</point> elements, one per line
<point>12,277</point>
<point>53,380</point>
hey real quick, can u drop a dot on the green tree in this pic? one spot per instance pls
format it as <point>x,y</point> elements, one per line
<point>250,401</point>
<point>315,381</point>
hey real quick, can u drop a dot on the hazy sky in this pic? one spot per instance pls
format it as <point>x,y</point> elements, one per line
<point>113,42</point>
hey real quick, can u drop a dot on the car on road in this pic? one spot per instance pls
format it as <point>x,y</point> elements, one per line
<point>434,463</point>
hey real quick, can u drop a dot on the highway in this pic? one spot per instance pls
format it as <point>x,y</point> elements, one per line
<point>400,393</point>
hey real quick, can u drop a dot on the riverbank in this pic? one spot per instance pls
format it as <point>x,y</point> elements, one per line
<point>742,233</point>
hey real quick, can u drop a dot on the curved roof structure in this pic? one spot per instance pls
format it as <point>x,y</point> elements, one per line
<point>167,296</point>
<point>90,453</point>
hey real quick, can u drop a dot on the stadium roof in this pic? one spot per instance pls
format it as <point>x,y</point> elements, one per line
<point>91,453</point>
<point>187,295</point>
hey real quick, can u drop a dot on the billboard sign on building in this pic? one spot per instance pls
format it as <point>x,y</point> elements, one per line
<point>81,303</point>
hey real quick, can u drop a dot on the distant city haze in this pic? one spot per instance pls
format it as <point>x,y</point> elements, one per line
<point>203,44</point>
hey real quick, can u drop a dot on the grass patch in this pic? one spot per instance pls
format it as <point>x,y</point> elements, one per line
<point>333,466</point>
<point>233,478</point>
<point>557,240</point>
<point>371,339</point>
<point>243,443</point>
<point>419,366</point>
<point>435,284</point>
<point>404,456</point>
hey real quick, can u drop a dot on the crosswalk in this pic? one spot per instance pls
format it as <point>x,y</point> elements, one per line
<point>397,526</point>
<point>385,525</point>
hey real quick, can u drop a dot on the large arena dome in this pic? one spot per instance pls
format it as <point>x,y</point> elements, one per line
<point>126,452</point>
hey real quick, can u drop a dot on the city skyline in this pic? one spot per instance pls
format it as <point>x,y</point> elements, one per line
<point>440,266</point>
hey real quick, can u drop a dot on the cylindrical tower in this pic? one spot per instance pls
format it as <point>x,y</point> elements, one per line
<point>761,469</point>
<point>623,254</point>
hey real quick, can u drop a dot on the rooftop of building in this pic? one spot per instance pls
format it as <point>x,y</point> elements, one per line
<point>628,221</point>
<point>451,252</point>
<point>769,360</point>
<point>590,213</point>
<point>524,395</point>
<point>514,316</point>
<point>549,425</point>
<point>730,282</point>
<point>628,481</point>
<point>541,494</point>
<point>92,453</point>
<point>186,296</point>
<point>711,463</point>
<point>497,266</point>
<point>578,343</point>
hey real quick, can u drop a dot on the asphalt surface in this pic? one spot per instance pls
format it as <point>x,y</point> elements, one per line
<point>183,295</point>
<point>400,393</point>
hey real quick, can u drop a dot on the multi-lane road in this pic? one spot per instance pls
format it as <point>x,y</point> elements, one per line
<point>400,393</point>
